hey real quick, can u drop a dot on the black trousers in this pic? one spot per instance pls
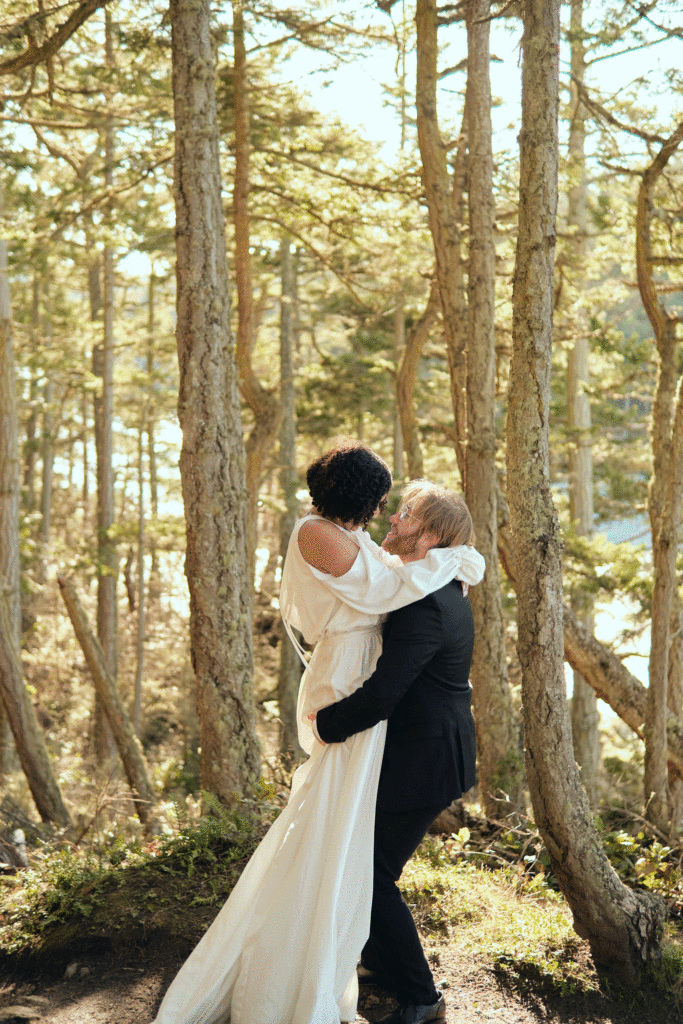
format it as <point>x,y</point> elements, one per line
<point>394,946</point>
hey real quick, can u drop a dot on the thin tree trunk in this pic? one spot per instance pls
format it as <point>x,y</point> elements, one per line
<point>445,230</point>
<point>501,769</point>
<point>31,447</point>
<point>212,457</point>
<point>406,378</point>
<point>47,441</point>
<point>290,666</point>
<point>127,743</point>
<point>584,706</point>
<point>664,498</point>
<point>85,487</point>
<point>151,430</point>
<point>103,366</point>
<point>14,696</point>
<point>622,927</point>
<point>140,639</point>
<point>263,402</point>
<point>399,348</point>
<point>675,701</point>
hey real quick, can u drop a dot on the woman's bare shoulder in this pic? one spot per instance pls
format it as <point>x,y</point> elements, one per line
<point>326,548</point>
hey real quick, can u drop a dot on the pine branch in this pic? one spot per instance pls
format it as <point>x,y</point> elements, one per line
<point>37,54</point>
<point>383,189</point>
<point>601,113</point>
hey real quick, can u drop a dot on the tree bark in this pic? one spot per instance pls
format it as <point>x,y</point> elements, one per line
<point>262,401</point>
<point>47,441</point>
<point>103,367</point>
<point>399,348</point>
<point>212,458</point>
<point>290,666</point>
<point>405,382</point>
<point>142,604</point>
<point>127,743</point>
<point>664,497</point>
<point>14,696</point>
<point>445,230</point>
<point>584,706</point>
<point>622,927</point>
<point>501,769</point>
<point>150,424</point>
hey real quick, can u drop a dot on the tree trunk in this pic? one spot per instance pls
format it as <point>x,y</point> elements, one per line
<point>47,442</point>
<point>262,401</point>
<point>150,424</point>
<point>443,224</point>
<point>664,498</point>
<point>212,456</point>
<point>32,446</point>
<point>290,666</point>
<point>127,743</point>
<point>622,927</point>
<point>14,696</point>
<point>405,382</point>
<point>501,769</point>
<point>103,367</point>
<point>675,702</point>
<point>399,348</point>
<point>140,637</point>
<point>584,705</point>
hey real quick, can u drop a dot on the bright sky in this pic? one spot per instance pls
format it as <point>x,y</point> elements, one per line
<point>355,91</point>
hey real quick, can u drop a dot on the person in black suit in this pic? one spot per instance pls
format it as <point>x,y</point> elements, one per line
<point>421,686</point>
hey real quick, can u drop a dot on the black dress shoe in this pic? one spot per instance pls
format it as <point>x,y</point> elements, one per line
<point>417,1014</point>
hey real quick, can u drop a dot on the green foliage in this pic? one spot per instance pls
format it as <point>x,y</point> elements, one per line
<point>69,892</point>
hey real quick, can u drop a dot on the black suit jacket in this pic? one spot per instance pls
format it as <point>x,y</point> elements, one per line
<point>421,685</point>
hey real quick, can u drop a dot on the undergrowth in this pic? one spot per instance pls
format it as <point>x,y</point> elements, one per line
<point>514,918</point>
<point>100,892</point>
<point>513,915</point>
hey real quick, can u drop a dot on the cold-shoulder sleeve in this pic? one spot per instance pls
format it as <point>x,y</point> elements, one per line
<point>378,584</point>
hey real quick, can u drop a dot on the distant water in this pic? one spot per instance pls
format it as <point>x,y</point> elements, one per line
<point>635,529</point>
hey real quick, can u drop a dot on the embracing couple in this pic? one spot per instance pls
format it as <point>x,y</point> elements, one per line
<point>384,713</point>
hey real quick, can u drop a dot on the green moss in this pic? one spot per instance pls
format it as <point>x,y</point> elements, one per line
<point>174,885</point>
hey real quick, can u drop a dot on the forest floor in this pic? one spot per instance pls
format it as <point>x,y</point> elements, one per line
<point>125,987</point>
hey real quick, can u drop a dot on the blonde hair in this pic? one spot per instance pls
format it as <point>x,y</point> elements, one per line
<point>439,511</point>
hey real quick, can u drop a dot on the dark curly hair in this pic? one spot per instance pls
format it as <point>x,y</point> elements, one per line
<point>348,483</point>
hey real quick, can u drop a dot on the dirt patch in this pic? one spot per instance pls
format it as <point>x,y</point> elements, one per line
<point>126,986</point>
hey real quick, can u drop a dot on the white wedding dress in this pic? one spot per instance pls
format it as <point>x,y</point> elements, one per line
<point>284,948</point>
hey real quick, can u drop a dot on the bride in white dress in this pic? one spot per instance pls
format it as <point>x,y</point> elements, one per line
<point>284,948</point>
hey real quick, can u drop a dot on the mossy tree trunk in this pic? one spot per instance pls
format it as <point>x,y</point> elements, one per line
<point>103,367</point>
<point>501,770</point>
<point>665,491</point>
<point>584,707</point>
<point>622,927</point>
<point>212,460</point>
